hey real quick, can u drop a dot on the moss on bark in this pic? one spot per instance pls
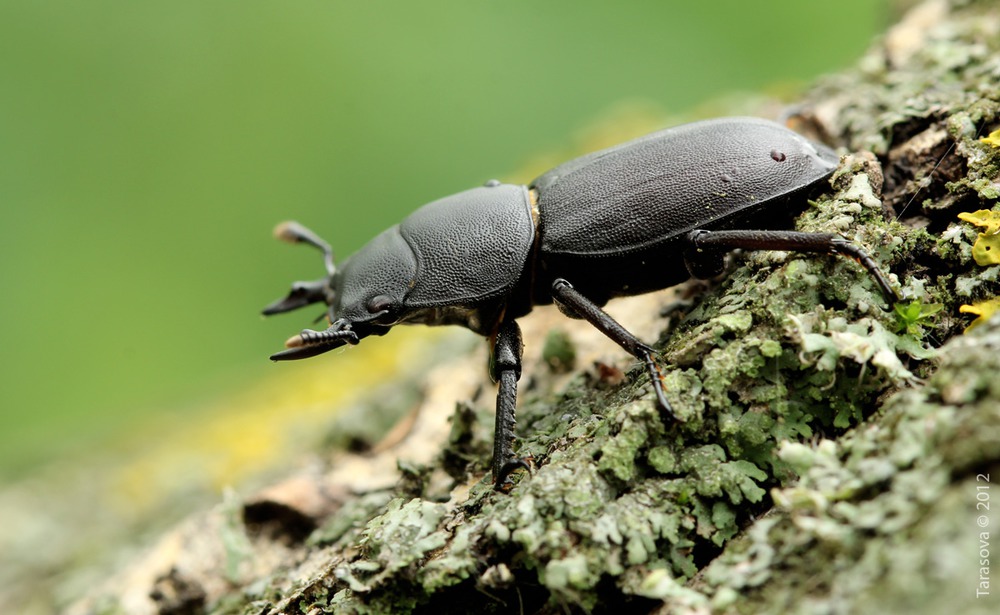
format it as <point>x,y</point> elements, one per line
<point>831,451</point>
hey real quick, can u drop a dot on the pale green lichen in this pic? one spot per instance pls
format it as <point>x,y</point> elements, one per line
<point>394,540</point>
<point>852,534</point>
<point>792,378</point>
<point>348,520</point>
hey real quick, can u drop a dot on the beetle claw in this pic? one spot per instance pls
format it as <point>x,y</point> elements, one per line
<point>502,480</point>
<point>302,352</point>
<point>301,295</point>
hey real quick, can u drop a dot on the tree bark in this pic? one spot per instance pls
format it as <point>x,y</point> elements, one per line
<point>833,457</point>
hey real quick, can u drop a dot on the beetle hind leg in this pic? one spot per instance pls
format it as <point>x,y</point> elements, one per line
<point>707,245</point>
<point>571,300</point>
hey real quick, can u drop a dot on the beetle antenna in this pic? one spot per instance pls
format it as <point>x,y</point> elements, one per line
<point>293,232</point>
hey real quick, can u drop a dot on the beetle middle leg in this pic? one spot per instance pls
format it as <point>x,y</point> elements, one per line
<point>570,299</point>
<point>505,369</point>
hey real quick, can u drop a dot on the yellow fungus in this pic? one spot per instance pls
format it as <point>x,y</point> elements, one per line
<point>992,139</point>
<point>986,250</point>
<point>983,310</point>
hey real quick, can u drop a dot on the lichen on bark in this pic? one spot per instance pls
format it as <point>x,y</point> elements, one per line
<point>827,454</point>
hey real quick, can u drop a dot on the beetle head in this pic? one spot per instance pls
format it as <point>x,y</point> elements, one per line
<point>364,297</point>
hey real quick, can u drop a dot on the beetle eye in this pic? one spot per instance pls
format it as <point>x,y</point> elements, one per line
<point>379,303</point>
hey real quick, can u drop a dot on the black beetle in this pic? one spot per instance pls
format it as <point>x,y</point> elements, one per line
<point>612,223</point>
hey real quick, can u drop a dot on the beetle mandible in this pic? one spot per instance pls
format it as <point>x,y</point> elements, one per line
<point>616,222</point>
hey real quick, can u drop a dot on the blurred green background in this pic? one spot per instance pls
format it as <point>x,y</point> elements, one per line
<point>148,148</point>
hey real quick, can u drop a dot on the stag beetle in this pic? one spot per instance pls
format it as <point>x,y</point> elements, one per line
<point>612,223</point>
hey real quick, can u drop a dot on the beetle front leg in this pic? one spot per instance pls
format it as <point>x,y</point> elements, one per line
<point>570,299</point>
<point>505,369</point>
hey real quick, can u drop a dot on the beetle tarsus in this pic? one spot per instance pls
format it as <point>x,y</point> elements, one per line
<point>852,250</point>
<point>657,379</point>
<point>502,481</point>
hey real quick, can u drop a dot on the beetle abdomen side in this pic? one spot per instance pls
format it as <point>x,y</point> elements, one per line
<point>657,188</point>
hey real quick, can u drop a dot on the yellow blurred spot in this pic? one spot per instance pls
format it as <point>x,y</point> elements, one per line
<point>992,139</point>
<point>983,309</point>
<point>263,426</point>
<point>986,250</point>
